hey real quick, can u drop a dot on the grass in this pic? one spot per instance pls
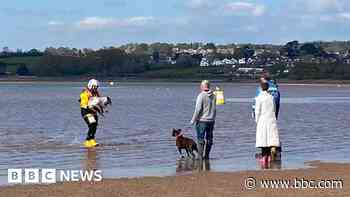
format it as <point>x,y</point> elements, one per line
<point>20,60</point>
<point>14,62</point>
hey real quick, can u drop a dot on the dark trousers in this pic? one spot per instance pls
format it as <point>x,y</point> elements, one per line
<point>277,104</point>
<point>277,109</point>
<point>266,151</point>
<point>205,131</point>
<point>92,126</point>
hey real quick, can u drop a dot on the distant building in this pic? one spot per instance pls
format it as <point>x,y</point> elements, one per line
<point>245,70</point>
<point>241,61</point>
<point>225,50</point>
<point>228,61</point>
<point>250,61</point>
<point>250,70</point>
<point>204,62</point>
<point>234,61</point>
<point>217,62</point>
<point>171,60</point>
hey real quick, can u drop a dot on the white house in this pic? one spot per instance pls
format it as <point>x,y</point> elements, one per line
<point>227,61</point>
<point>217,62</point>
<point>250,61</point>
<point>245,70</point>
<point>234,61</point>
<point>259,70</point>
<point>204,62</point>
<point>241,61</point>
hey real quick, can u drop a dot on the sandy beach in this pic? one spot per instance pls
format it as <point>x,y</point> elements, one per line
<point>199,184</point>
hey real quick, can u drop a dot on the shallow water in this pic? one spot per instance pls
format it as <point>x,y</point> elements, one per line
<point>41,127</point>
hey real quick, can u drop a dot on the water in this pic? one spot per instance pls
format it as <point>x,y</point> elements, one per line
<point>41,127</point>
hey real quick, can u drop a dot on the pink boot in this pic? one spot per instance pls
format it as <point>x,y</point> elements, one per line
<point>263,161</point>
<point>269,159</point>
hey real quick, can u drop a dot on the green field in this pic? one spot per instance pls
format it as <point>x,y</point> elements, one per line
<point>14,62</point>
<point>20,60</point>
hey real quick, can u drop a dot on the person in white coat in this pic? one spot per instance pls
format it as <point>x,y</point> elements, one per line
<point>267,135</point>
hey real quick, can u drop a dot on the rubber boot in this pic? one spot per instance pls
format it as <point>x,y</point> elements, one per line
<point>93,143</point>
<point>206,165</point>
<point>207,151</point>
<point>200,150</point>
<point>87,143</point>
<point>273,153</point>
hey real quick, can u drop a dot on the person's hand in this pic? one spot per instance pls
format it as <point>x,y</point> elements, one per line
<point>93,110</point>
<point>192,122</point>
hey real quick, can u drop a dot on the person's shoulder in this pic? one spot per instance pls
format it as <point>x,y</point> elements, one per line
<point>263,95</point>
<point>201,94</point>
<point>85,91</point>
<point>259,96</point>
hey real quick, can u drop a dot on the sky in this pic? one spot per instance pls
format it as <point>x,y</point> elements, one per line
<point>103,23</point>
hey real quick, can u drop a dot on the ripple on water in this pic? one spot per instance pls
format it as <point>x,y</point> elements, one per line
<point>46,131</point>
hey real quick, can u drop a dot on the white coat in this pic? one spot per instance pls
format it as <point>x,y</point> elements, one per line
<point>266,130</point>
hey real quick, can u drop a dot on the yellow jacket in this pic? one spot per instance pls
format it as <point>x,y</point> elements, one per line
<point>84,98</point>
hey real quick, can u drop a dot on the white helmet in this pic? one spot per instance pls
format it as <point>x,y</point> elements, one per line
<point>93,84</point>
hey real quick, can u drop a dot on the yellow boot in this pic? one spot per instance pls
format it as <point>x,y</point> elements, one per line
<point>87,143</point>
<point>93,143</point>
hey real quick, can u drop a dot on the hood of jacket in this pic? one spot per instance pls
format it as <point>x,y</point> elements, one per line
<point>210,93</point>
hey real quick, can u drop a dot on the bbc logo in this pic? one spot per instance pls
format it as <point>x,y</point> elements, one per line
<point>31,176</point>
<point>48,176</point>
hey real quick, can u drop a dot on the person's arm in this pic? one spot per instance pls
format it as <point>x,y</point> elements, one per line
<point>257,109</point>
<point>274,104</point>
<point>198,109</point>
<point>257,92</point>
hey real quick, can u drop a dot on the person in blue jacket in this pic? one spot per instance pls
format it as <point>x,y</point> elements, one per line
<point>273,90</point>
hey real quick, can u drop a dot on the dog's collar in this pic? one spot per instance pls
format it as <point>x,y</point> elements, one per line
<point>179,135</point>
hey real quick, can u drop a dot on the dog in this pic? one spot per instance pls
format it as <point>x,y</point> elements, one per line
<point>184,143</point>
<point>99,104</point>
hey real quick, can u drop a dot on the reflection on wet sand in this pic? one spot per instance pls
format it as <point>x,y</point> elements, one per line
<point>204,165</point>
<point>190,165</point>
<point>90,162</point>
<point>275,164</point>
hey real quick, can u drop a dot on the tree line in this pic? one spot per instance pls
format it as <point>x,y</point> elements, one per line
<point>134,59</point>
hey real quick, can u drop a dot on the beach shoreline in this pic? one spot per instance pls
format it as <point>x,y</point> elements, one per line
<point>200,184</point>
<point>24,80</point>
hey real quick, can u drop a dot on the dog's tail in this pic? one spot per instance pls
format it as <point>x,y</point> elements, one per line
<point>194,147</point>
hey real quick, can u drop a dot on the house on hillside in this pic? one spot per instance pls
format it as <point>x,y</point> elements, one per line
<point>241,61</point>
<point>250,70</point>
<point>245,70</point>
<point>225,50</point>
<point>204,62</point>
<point>227,61</point>
<point>217,62</point>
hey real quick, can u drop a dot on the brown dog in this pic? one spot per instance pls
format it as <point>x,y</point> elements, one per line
<point>184,143</point>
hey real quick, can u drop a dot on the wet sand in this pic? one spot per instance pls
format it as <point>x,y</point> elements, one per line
<point>196,184</point>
